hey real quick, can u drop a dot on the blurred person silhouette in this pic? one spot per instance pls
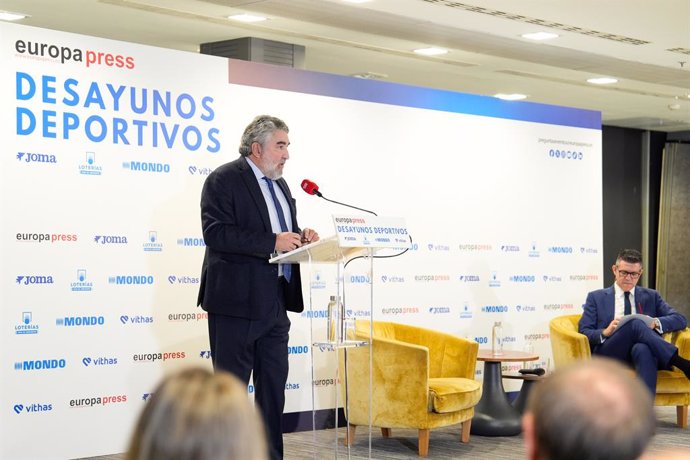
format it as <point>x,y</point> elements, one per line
<point>198,415</point>
<point>591,410</point>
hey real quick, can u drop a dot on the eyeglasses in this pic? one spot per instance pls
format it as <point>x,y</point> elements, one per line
<point>631,275</point>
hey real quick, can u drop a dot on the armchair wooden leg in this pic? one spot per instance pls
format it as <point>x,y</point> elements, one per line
<point>386,432</point>
<point>350,436</point>
<point>465,434</point>
<point>423,443</point>
<point>682,416</point>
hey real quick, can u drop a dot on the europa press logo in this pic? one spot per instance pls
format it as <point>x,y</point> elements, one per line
<point>89,167</point>
<point>27,325</point>
<point>152,244</point>
<point>81,284</point>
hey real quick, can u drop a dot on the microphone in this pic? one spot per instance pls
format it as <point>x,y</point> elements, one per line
<point>313,189</point>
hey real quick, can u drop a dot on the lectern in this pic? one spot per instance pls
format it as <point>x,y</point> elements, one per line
<point>356,237</point>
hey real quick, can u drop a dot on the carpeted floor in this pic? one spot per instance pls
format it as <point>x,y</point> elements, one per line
<point>443,444</point>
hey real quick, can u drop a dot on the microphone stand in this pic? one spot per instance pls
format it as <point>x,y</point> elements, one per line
<point>320,195</point>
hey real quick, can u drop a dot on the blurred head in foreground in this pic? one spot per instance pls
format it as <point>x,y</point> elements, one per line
<point>592,410</point>
<point>198,415</point>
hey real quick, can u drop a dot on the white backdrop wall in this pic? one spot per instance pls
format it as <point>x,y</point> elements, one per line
<point>105,147</point>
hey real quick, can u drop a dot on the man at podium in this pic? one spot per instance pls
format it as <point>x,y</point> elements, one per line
<point>247,214</point>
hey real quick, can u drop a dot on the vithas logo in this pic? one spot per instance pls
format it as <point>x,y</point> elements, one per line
<point>32,408</point>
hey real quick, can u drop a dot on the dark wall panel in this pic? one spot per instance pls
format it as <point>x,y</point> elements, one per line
<point>622,179</point>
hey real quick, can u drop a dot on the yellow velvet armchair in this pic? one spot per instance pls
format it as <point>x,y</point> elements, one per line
<point>672,387</point>
<point>422,379</point>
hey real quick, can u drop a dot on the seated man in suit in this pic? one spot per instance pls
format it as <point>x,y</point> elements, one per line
<point>635,342</point>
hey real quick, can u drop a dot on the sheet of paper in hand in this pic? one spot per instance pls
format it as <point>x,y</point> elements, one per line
<point>648,320</point>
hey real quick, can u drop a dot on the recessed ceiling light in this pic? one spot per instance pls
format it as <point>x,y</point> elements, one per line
<point>510,97</point>
<point>540,36</point>
<point>246,18</point>
<point>430,51</point>
<point>7,16</point>
<point>602,80</point>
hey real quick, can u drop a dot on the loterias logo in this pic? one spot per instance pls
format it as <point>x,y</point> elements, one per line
<point>32,408</point>
<point>152,244</point>
<point>82,284</point>
<point>97,401</point>
<point>66,54</point>
<point>27,325</point>
<point>90,168</point>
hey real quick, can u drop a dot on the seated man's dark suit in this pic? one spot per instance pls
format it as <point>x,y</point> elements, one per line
<point>634,342</point>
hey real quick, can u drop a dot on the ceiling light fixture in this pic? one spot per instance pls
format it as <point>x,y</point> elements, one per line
<point>602,80</point>
<point>370,75</point>
<point>510,97</point>
<point>430,51</point>
<point>540,36</point>
<point>246,18</point>
<point>7,16</point>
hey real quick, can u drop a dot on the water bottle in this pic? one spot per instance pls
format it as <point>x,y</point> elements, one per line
<point>332,325</point>
<point>497,339</point>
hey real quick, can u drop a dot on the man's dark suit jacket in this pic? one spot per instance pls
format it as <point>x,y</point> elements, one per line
<point>236,278</point>
<point>599,309</point>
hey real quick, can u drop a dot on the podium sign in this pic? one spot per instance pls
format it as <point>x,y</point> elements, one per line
<point>371,232</point>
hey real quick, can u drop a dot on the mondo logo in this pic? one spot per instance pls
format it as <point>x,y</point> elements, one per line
<point>314,314</point>
<point>360,279</point>
<point>40,364</point>
<point>560,249</point>
<point>147,167</point>
<point>77,321</point>
<point>131,279</point>
<point>298,350</point>
<point>191,242</point>
<point>522,278</point>
<point>495,308</point>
